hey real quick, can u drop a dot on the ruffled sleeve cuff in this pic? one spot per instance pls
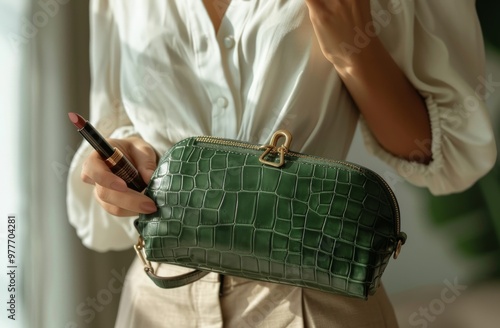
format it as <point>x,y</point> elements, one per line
<point>444,174</point>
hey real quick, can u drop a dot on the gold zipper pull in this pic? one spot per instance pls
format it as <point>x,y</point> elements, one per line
<point>273,148</point>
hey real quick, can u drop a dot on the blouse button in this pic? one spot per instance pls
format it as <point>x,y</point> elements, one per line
<point>229,42</point>
<point>222,102</point>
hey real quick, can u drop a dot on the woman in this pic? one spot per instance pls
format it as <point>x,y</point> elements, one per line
<point>166,70</point>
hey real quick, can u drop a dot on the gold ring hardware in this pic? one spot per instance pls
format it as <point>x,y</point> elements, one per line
<point>273,148</point>
<point>139,249</point>
<point>398,249</point>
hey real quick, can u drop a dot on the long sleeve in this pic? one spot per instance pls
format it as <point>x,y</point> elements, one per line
<point>439,46</point>
<point>98,229</point>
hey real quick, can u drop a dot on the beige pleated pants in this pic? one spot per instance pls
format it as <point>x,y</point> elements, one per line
<point>242,303</point>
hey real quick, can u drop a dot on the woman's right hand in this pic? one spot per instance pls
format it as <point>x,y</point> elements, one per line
<point>110,190</point>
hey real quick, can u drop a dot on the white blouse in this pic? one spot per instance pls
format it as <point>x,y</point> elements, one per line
<point>160,71</point>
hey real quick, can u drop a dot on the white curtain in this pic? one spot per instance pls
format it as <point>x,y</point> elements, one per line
<point>44,59</point>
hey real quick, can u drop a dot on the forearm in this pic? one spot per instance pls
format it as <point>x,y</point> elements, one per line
<point>393,109</point>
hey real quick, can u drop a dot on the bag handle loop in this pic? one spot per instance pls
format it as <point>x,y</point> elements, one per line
<point>166,282</point>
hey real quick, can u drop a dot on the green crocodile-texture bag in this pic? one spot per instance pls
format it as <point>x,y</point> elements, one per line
<point>267,213</point>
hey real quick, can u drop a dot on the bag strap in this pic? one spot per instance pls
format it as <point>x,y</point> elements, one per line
<point>167,282</point>
<point>177,281</point>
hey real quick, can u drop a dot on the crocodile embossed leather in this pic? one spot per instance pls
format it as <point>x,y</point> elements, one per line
<point>281,217</point>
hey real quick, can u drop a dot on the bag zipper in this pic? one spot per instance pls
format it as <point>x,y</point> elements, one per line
<point>401,237</point>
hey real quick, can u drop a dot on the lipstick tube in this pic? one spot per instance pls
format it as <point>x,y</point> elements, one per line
<point>117,162</point>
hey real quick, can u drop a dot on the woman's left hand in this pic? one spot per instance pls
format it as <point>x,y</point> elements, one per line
<point>337,24</point>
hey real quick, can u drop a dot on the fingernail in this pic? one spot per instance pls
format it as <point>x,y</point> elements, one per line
<point>119,186</point>
<point>148,207</point>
